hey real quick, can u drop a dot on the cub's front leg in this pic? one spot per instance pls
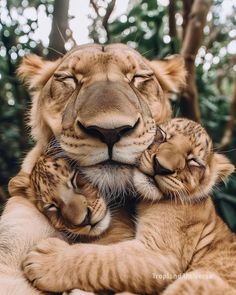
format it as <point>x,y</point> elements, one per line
<point>57,266</point>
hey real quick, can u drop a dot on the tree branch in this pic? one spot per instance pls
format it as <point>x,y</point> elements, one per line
<point>58,32</point>
<point>105,20</point>
<point>95,7</point>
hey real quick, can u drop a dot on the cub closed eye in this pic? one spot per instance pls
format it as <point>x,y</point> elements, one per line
<point>50,208</point>
<point>160,136</point>
<point>195,163</point>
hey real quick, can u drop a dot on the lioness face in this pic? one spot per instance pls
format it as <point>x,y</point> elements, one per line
<point>101,103</point>
<point>106,118</point>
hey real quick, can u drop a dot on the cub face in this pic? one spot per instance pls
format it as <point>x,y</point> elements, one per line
<point>64,196</point>
<point>181,162</point>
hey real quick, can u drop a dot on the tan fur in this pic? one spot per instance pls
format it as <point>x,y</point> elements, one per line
<point>173,237</point>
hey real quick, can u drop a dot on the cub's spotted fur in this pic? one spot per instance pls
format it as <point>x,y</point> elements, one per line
<point>70,203</point>
<point>180,234</point>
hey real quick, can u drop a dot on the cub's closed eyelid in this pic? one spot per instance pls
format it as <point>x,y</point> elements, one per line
<point>196,163</point>
<point>50,207</point>
<point>160,136</point>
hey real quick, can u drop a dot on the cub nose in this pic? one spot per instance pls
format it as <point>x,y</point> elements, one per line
<point>108,136</point>
<point>87,219</point>
<point>161,170</point>
<point>75,212</point>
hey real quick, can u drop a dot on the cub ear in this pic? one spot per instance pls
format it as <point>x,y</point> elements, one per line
<point>35,71</point>
<point>170,72</point>
<point>223,167</point>
<point>18,185</point>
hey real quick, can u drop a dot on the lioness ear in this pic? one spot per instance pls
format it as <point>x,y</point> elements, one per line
<point>35,71</point>
<point>170,72</point>
<point>223,167</point>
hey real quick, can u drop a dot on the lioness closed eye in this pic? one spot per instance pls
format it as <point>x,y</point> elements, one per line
<point>172,238</point>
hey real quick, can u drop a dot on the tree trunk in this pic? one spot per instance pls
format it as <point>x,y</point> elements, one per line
<point>187,6</point>
<point>193,39</point>
<point>229,129</point>
<point>58,36</point>
<point>172,25</point>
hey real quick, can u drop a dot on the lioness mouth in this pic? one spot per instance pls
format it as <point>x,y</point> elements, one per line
<point>112,163</point>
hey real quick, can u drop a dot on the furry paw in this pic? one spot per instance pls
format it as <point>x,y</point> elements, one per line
<point>45,265</point>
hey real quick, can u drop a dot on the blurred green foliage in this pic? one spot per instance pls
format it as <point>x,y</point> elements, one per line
<point>144,27</point>
<point>18,23</point>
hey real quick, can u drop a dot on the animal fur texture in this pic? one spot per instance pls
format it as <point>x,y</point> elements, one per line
<point>180,246</point>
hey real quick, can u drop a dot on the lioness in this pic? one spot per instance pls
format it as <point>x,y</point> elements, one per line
<point>102,103</point>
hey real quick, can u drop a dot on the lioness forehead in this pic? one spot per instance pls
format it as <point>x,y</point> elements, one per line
<point>83,58</point>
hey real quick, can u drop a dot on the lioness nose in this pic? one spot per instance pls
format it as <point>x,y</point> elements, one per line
<point>108,136</point>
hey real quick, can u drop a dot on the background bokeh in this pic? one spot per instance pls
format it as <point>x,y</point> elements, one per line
<point>204,32</point>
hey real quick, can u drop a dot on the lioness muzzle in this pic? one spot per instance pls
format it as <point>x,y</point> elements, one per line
<point>105,110</point>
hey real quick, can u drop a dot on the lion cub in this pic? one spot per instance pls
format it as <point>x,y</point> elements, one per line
<point>72,205</point>
<point>181,246</point>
